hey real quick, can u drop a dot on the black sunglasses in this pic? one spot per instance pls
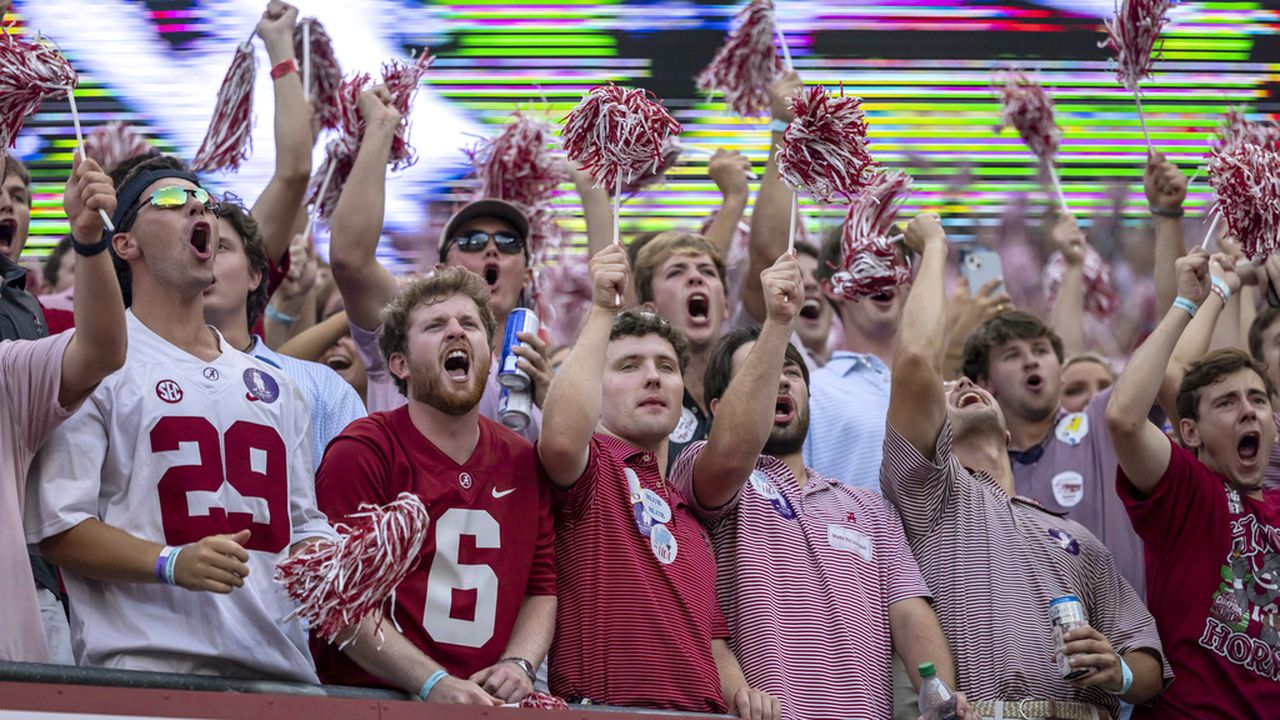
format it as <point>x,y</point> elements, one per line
<point>474,241</point>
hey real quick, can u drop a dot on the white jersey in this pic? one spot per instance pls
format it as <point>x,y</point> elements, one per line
<point>172,449</point>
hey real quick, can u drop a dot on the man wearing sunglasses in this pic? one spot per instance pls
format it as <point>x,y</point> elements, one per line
<point>487,237</point>
<point>186,476</point>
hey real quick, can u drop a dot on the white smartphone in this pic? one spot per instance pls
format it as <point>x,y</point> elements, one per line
<point>981,265</point>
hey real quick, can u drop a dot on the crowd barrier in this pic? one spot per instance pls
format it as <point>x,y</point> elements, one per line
<point>58,692</point>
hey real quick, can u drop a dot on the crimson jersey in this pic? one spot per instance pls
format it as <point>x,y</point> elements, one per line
<point>489,545</point>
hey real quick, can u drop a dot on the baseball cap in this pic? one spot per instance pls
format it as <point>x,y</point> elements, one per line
<point>490,208</point>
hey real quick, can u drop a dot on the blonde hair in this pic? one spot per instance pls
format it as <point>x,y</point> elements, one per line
<point>438,286</point>
<point>663,246</point>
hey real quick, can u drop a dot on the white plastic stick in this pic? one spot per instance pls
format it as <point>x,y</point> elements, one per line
<point>1142,121</point>
<point>1057,188</point>
<point>617,210</point>
<point>306,61</point>
<point>1211,234</point>
<point>782,42</point>
<point>791,235</point>
<point>75,120</point>
<point>324,188</point>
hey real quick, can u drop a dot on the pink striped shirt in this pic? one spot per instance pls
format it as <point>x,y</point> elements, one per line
<point>994,563</point>
<point>637,607</point>
<point>806,576</point>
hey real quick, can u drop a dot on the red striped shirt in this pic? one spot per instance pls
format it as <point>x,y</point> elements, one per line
<point>993,563</point>
<point>631,630</point>
<point>806,578</point>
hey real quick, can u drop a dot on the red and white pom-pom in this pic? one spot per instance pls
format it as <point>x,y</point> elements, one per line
<point>1246,189</point>
<point>402,80</point>
<point>747,63</point>
<point>543,701</point>
<point>870,263</point>
<point>229,137</point>
<point>1132,36</point>
<point>338,583</point>
<point>564,294</point>
<point>824,150</point>
<point>1028,109</point>
<point>113,143</point>
<point>616,133</point>
<point>31,71</point>
<point>517,164</point>
<point>325,73</point>
<point>1100,299</point>
<point>329,179</point>
<point>1239,130</point>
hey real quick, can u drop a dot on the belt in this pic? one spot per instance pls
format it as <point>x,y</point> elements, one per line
<point>1037,710</point>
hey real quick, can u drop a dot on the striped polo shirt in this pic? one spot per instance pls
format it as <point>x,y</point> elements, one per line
<point>637,606</point>
<point>993,563</point>
<point>805,577</point>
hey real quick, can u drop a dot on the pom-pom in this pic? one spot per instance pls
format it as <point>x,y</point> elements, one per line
<point>671,150</point>
<point>113,143</point>
<point>1100,299</point>
<point>517,166</point>
<point>745,66</point>
<point>402,79</point>
<point>1239,130</point>
<point>1246,188</point>
<point>869,262</point>
<point>338,583</point>
<point>1132,36</point>
<point>1030,111</point>
<point>618,134</point>
<point>824,150</point>
<point>228,140</point>
<point>327,183</point>
<point>31,71</point>
<point>325,75</point>
<point>543,701</point>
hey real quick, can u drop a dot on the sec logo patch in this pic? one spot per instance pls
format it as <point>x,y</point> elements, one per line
<point>169,391</point>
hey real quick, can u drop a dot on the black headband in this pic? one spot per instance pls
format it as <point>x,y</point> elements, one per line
<point>127,195</point>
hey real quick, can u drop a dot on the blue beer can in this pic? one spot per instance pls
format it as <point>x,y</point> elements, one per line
<point>509,375</point>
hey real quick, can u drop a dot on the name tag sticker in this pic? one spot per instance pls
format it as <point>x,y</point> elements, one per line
<point>850,540</point>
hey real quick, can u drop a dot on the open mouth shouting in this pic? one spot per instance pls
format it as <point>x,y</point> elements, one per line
<point>8,233</point>
<point>491,275</point>
<point>699,306</point>
<point>969,399</point>
<point>1247,448</point>
<point>199,235</point>
<point>811,309</point>
<point>1035,382</point>
<point>337,360</point>
<point>884,299</point>
<point>784,410</point>
<point>457,365</point>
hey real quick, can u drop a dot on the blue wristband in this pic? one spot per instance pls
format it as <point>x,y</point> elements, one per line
<point>162,561</point>
<point>430,684</point>
<point>1223,289</point>
<point>1126,683</point>
<point>277,316</point>
<point>171,562</point>
<point>1185,304</point>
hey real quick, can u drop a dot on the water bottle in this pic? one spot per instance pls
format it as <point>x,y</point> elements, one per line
<point>937,702</point>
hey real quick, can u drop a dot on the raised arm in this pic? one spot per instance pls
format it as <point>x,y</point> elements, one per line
<point>771,213</point>
<point>311,344</point>
<point>1166,189</point>
<point>278,204</point>
<point>1196,340</point>
<point>744,416</point>
<point>572,408</point>
<point>1067,319</point>
<point>597,212</point>
<point>356,225</point>
<point>98,347</point>
<point>1143,451</point>
<point>917,404</point>
<point>728,170</point>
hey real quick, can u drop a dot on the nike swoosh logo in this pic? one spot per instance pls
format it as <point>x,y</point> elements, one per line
<point>502,494</point>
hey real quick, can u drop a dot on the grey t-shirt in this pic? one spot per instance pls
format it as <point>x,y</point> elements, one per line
<point>1075,473</point>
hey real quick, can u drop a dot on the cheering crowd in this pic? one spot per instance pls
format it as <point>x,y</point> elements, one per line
<point>739,489</point>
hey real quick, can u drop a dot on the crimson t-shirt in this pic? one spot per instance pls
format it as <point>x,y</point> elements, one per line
<point>1213,585</point>
<point>491,540</point>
